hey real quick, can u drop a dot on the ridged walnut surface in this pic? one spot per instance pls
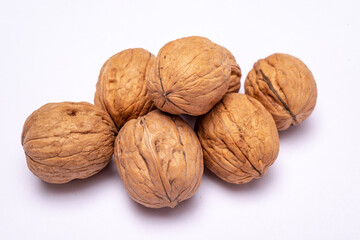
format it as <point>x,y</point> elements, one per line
<point>190,76</point>
<point>285,86</point>
<point>159,159</point>
<point>235,76</point>
<point>66,141</point>
<point>239,139</point>
<point>121,87</point>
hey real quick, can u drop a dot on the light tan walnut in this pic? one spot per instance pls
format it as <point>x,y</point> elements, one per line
<point>285,86</point>
<point>235,76</point>
<point>66,141</point>
<point>121,87</point>
<point>239,139</point>
<point>159,159</point>
<point>190,76</point>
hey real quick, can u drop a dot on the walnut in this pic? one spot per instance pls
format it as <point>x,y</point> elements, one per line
<point>121,87</point>
<point>159,159</point>
<point>285,86</point>
<point>190,76</point>
<point>66,141</point>
<point>239,139</point>
<point>234,82</point>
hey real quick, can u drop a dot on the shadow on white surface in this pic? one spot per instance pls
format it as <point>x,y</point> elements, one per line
<point>108,173</point>
<point>299,131</point>
<point>256,185</point>
<point>182,209</point>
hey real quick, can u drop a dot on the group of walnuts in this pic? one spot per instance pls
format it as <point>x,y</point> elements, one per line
<point>159,157</point>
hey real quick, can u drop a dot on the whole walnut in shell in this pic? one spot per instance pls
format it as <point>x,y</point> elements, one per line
<point>159,159</point>
<point>239,139</point>
<point>121,87</point>
<point>67,140</point>
<point>234,81</point>
<point>285,86</point>
<point>190,76</point>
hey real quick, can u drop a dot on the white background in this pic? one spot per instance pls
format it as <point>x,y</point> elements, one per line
<point>52,51</point>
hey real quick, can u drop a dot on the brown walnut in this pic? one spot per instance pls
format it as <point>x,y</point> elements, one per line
<point>66,141</point>
<point>190,76</point>
<point>234,82</point>
<point>239,139</point>
<point>121,87</point>
<point>159,159</point>
<point>285,86</point>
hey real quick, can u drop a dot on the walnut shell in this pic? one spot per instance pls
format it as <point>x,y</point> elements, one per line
<point>66,141</point>
<point>159,159</point>
<point>235,76</point>
<point>121,87</point>
<point>190,76</point>
<point>239,139</point>
<point>285,86</point>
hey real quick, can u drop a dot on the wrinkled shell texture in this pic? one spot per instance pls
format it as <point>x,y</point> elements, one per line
<point>239,139</point>
<point>285,86</point>
<point>159,159</point>
<point>121,87</point>
<point>190,76</point>
<point>66,141</point>
<point>234,82</point>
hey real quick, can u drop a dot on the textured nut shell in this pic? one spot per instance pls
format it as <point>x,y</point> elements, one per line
<point>285,86</point>
<point>235,76</point>
<point>121,87</point>
<point>66,141</point>
<point>239,139</point>
<point>159,159</point>
<point>190,76</point>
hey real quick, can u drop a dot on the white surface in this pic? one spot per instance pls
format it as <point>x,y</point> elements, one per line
<point>52,51</point>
